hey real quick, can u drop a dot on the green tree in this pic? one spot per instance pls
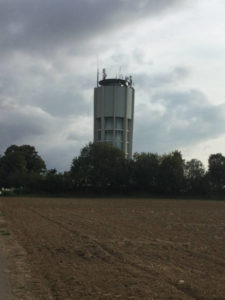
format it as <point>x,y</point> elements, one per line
<point>54,183</point>
<point>171,173</point>
<point>100,166</point>
<point>33,162</point>
<point>20,166</point>
<point>146,171</point>
<point>217,172</point>
<point>195,176</point>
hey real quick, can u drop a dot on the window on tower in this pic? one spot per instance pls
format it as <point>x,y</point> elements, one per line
<point>119,144</point>
<point>109,123</point>
<point>119,123</point>
<point>119,135</point>
<point>108,135</point>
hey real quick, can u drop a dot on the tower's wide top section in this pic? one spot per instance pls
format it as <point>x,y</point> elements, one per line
<point>115,81</point>
<point>121,82</point>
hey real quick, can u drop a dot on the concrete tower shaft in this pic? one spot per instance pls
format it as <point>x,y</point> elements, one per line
<point>114,113</point>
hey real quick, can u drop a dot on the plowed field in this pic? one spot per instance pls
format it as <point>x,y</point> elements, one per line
<point>114,248</point>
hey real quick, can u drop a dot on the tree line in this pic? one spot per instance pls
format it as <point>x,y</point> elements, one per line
<point>101,168</point>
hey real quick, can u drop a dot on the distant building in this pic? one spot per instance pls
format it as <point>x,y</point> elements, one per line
<point>114,112</point>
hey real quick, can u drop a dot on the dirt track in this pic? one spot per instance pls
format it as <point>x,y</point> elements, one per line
<point>116,248</point>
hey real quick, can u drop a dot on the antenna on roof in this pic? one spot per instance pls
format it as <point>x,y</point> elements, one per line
<point>97,76</point>
<point>97,70</point>
<point>104,75</point>
<point>131,80</point>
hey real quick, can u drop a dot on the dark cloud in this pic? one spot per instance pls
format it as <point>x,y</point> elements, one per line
<point>57,92</point>
<point>176,119</point>
<point>60,101</point>
<point>57,139</point>
<point>45,26</point>
<point>21,123</point>
<point>161,79</point>
<point>61,157</point>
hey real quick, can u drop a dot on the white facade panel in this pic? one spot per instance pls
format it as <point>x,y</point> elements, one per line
<point>120,101</point>
<point>108,101</point>
<point>129,103</point>
<point>98,103</point>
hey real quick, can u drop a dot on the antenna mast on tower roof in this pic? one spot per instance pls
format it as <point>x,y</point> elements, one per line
<point>97,70</point>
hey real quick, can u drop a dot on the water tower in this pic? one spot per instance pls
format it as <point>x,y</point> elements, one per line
<point>114,112</point>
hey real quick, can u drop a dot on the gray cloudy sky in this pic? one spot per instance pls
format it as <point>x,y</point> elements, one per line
<point>175,50</point>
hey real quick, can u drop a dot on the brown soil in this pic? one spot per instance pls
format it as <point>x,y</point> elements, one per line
<point>114,248</point>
